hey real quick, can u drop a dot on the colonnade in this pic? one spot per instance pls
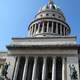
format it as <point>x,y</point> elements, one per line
<point>40,68</point>
<point>48,27</point>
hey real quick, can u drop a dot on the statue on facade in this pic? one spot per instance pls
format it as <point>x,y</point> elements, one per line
<point>4,70</point>
<point>73,72</point>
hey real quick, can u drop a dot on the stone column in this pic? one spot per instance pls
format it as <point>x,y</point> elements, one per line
<point>64,30</point>
<point>54,69</point>
<point>31,30</point>
<point>16,69</point>
<point>34,69</point>
<point>57,28</point>
<point>44,69</point>
<point>47,26</point>
<point>25,70</point>
<point>52,26</point>
<point>35,29</point>
<point>63,69</point>
<point>38,27</point>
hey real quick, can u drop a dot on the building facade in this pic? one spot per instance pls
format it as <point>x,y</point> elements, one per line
<point>49,52</point>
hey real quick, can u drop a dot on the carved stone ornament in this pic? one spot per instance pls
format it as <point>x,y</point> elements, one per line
<point>73,72</point>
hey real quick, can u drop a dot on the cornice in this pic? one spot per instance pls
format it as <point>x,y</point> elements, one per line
<point>21,47</point>
<point>44,37</point>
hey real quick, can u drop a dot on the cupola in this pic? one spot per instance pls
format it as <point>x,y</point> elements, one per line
<point>48,22</point>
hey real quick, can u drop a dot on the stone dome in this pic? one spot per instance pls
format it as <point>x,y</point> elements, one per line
<point>50,6</point>
<point>48,22</point>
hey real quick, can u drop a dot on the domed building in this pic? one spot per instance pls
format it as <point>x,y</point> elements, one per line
<point>49,52</point>
<point>49,22</point>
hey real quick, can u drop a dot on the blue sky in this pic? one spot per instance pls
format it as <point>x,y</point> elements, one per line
<point>15,16</point>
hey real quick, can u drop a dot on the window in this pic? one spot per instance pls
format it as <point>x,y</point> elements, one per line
<point>53,14</point>
<point>47,14</point>
<point>41,15</point>
<point>59,16</point>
